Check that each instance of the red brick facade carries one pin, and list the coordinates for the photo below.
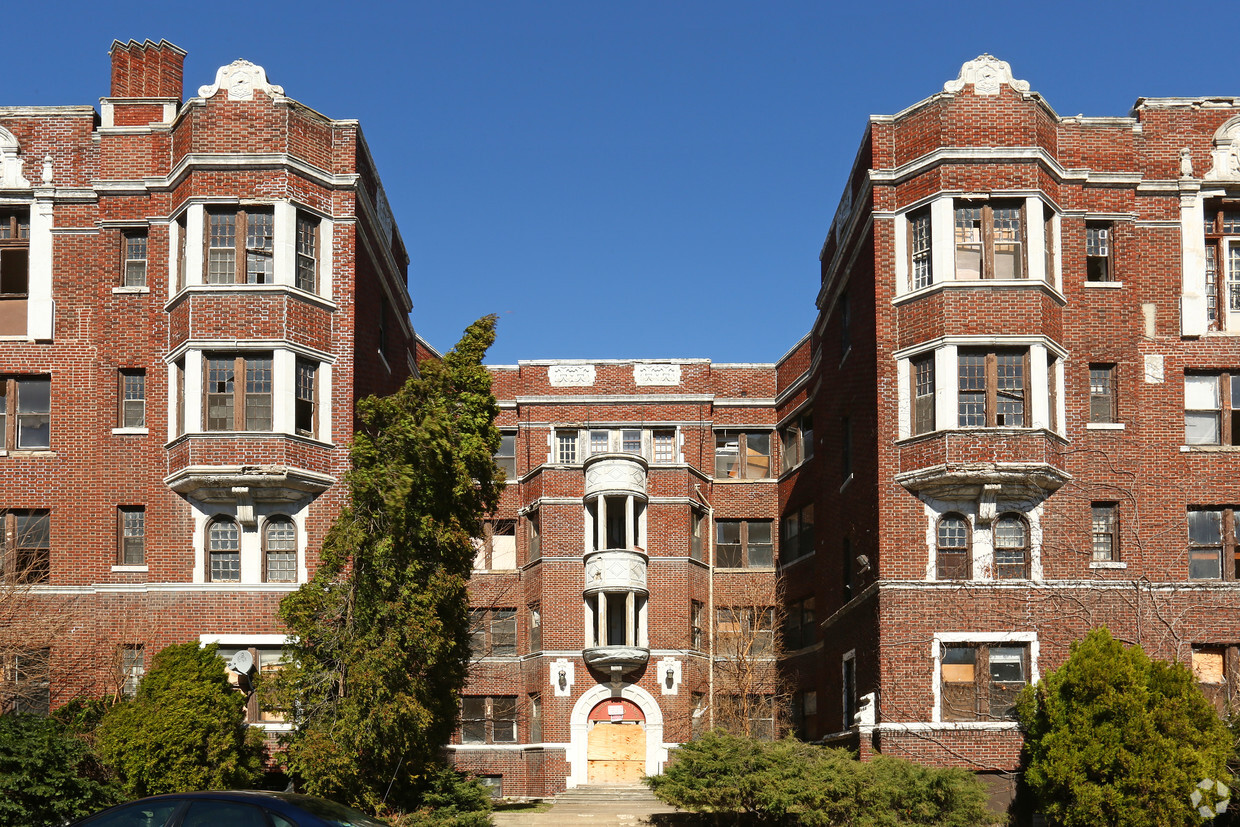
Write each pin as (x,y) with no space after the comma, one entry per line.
(167,266)
(1016,400)
(1024,296)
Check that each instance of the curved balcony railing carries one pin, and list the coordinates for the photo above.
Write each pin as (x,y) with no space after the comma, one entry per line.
(615,474)
(615,570)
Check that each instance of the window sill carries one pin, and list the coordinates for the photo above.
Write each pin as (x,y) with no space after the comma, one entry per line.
(132,291)
(1209,449)
(1105,426)
(130,431)
(731,481)
(744,568)
(130,568)
(1103,285)
(846,481)
(1107,564)
(28,452)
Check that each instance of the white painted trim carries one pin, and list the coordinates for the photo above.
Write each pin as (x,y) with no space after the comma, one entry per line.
(40,307)
(579,727)
(138,569)
(243,640)
(1104,426)
(130,431)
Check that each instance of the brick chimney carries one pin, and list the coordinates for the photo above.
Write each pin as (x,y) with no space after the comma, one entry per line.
(147,69)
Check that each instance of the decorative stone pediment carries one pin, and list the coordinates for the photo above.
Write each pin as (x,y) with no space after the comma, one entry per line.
(987,73)
(10,162)
(569,376)
(1225,154)
(239,79)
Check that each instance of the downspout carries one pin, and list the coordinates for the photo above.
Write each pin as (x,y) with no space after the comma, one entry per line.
(710,605)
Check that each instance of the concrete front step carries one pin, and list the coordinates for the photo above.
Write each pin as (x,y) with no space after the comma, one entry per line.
(598,804)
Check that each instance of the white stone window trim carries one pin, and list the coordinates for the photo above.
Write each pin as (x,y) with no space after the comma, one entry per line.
(947,387)
(251,538)
(1102,285)
(130,431)
(283,380)
(943,243)
(131,291)
(131,568)
(1105,426)
(982,539)
(936,655)
(1108,564)
(284,253)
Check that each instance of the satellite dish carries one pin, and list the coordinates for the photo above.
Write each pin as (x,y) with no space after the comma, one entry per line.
(242,662)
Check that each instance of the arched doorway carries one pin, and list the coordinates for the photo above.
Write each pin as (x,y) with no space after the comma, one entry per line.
(616,743)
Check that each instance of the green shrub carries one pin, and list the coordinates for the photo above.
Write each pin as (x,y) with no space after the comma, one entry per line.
(1114,738)
(48,776)
(789,782)
(184,730)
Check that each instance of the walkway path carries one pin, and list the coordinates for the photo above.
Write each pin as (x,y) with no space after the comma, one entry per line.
(609,804)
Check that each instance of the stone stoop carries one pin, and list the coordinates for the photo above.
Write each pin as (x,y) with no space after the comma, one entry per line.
(599,804)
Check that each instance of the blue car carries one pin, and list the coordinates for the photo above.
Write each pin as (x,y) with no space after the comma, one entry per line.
(233,808)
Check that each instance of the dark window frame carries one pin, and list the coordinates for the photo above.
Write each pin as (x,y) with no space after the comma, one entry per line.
(992,395)
(1010,568)
(131,397)
(20,424)
(920,249)
(1103,392)
(135,251)
(279,554)
(796,440)
(1104,530)
(797,538)
(1204,547)
(493,716)
(506,456)
(493,632)
(745,546)
(1099,251)
(307,252)
(922,385)
(986,242)
(252,234)
(242,397)
(14,268)
(218,547)
(306,397)
(800,625)
(743,454)
(986,697)
(26,551)
(131,535)
(953,562)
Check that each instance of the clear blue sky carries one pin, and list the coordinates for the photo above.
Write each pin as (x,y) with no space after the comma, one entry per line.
(624,179)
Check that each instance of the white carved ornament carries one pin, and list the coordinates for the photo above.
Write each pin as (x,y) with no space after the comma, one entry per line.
(568,376)
(240,78)
(1225,153)
(656,374)
(987,73)
(10,162)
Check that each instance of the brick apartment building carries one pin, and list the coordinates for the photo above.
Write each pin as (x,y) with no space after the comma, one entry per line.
(1014,420)
(180,286)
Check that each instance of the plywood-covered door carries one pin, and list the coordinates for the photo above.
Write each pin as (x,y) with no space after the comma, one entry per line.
(616,753)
